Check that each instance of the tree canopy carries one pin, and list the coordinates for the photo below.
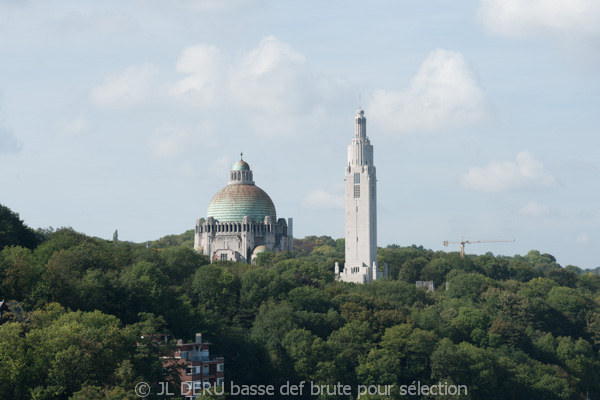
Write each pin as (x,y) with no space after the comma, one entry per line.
(506,327)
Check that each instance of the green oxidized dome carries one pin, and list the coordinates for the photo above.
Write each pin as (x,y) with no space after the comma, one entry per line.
(241,198)
(233,202)
(241,166)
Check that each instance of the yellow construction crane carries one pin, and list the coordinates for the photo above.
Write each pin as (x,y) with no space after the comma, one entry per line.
(463,242)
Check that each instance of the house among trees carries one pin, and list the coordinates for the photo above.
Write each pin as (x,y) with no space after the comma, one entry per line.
(198,370)
(428,285)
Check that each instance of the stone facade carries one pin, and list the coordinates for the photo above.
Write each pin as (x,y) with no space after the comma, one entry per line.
(360,210)
(242,222)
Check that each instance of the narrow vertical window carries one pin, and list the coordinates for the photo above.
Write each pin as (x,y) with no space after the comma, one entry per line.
(357,191)
(356,178)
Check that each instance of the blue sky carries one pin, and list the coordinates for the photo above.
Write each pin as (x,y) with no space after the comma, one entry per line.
(483,114)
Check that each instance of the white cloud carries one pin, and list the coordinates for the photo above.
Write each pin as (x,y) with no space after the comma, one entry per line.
(271,80)
(129,88)
(170,141)
(206,69)
(322,199)
(270,73)
(523,173)
(445,92)
(275,84)
(568,21)
(272,86)
(534,209)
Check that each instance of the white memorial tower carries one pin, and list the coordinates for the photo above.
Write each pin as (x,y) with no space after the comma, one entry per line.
(360,210)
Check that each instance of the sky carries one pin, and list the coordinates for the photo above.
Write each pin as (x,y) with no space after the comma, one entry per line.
(483,115)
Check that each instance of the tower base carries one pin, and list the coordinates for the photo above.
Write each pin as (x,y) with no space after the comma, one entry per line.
(361,273)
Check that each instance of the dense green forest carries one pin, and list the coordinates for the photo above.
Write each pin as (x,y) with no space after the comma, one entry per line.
(520,327)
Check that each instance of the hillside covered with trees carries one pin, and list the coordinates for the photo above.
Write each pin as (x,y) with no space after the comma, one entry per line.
(520,327)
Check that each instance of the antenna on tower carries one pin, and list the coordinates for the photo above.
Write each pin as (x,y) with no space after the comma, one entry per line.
(359,101)
(242,156)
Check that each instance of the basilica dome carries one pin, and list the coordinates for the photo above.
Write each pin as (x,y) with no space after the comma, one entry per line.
(241,197)
(241,221)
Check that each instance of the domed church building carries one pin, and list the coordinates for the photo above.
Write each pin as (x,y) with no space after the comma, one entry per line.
(241,221)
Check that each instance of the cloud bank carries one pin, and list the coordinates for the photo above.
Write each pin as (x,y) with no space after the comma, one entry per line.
(272,85)
(129,88)
(568,22)
(525,172)
(445,92)
(274,88)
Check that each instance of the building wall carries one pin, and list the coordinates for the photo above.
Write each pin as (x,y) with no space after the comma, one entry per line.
(236,241)
(361,216)
(360,208)
(197,369)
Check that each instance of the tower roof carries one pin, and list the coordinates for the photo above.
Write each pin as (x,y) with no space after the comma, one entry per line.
(241,165)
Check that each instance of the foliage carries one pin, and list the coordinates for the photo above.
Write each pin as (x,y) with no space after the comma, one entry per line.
(506,327)
(185,239)
(13,232)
